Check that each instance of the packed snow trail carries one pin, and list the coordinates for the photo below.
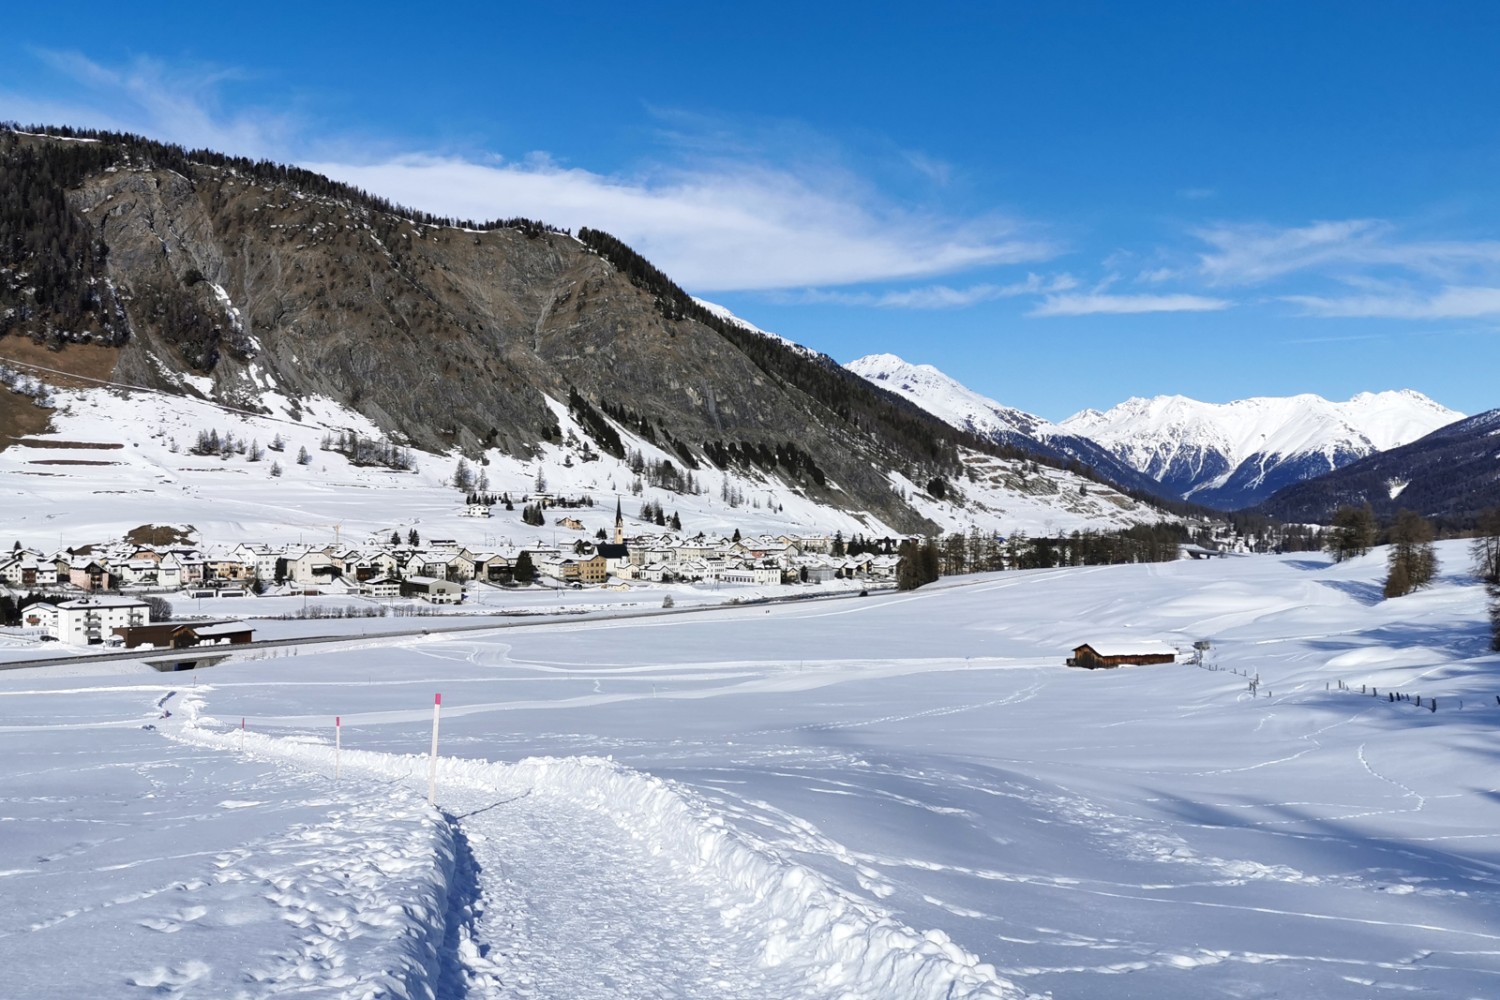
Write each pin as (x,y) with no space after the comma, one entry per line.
(581,878)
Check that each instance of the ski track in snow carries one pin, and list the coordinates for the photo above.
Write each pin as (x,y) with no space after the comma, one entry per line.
(572,878)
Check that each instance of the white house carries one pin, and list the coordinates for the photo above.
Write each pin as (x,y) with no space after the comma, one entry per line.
(86,620)
(382,586)
(758,575)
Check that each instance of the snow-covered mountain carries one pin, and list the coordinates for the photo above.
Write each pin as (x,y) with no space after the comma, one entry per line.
(956,404)
(1233,455)
(105,459)
(945,397)
(1452,474)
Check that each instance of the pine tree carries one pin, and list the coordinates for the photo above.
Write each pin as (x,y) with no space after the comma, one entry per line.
(413,539)
(463,477)
(1486,546)
(1412,561)
(1486,551)
(303,458)
(525,569)
(1353,532)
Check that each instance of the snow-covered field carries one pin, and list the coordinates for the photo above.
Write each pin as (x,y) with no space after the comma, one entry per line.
(899,796)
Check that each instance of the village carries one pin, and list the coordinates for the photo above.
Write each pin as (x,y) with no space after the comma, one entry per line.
(111,594)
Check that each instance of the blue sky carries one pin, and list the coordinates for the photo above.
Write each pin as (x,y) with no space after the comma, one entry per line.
(1062,205)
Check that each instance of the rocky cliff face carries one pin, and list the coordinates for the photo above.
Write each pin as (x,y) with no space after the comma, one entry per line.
(259,287)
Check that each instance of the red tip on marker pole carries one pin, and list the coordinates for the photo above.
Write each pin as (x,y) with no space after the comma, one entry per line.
(437,699)
(337,722)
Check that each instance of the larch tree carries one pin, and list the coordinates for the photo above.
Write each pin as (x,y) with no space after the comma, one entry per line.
(1412,561)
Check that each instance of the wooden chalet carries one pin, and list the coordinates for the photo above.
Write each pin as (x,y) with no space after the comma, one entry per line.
(1132,652)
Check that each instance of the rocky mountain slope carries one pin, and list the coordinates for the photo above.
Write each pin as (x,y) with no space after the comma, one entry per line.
(1450,475)
(264,288)
(1233,455)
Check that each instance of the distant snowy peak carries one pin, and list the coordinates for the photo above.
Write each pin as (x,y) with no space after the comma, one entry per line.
(959,406)
(1234,454)
(948,399)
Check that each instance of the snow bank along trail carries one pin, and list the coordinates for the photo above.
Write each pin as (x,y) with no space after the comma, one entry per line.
(579,877)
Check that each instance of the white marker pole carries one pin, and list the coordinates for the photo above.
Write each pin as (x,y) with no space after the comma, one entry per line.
(242,732)
(338,747)
(437,708)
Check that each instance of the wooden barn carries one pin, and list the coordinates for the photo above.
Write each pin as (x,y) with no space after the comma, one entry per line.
(177,635)
(1119,653)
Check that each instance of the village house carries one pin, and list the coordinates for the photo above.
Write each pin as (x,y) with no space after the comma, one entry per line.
(758,575)
(492,567)
(461,565)
(311,566)
(88,574)
(381,586)
(615,555)
(28,569)
(432,590)
(194,566)
(593,569)
(260,558)
(229,568)
(138,572)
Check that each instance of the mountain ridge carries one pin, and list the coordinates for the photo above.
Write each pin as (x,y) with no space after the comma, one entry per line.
(1449,475)
(958,405)
(1233,455)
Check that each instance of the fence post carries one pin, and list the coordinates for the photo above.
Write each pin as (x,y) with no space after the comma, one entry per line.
(437,708)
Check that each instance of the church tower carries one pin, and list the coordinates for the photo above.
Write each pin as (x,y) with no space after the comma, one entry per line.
(619,524)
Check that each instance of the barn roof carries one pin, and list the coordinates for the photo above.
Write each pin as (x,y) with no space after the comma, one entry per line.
(1128,646)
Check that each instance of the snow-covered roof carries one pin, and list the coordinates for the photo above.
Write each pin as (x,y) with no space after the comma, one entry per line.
(210,630)
(102,601)
(1128,646)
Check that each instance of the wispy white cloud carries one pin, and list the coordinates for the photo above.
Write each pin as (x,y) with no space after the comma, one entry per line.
(943,296)
(1157,275)
(718,227)
(1346,249)
(1093,303)
(174,103)
(1450,302)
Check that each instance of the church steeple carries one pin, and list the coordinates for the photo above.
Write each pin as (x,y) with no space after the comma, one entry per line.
(619,524)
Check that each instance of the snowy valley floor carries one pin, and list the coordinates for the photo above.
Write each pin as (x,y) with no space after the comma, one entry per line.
(900,796)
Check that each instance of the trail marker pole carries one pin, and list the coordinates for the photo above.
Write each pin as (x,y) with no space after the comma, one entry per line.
(242,732)
(338,747)
(437,709)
